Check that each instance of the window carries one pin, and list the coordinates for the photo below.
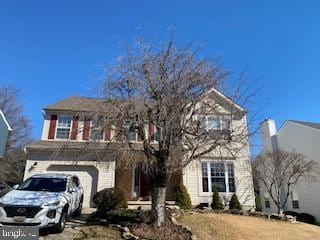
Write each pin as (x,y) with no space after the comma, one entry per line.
(63,127)
(131,131)
(267,202)
(295,199)
(97,129)
(76,181)
(218,175)
(215,123)
(156,135)
(295,204)
(231,179)
(218,179)
(205,182)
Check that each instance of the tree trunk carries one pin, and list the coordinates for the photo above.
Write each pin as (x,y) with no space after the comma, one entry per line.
(159,205)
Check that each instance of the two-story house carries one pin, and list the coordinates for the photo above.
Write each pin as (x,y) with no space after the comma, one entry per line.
(66,132)
(301,137)
(5,129)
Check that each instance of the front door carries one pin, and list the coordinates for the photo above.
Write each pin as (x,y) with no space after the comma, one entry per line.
(142,185)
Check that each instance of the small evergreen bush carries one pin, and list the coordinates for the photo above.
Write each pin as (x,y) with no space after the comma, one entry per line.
(110,199)
(307,218)
(234,203)
(216,201)
(182,197)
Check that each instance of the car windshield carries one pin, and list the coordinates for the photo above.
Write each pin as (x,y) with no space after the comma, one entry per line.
(44,184)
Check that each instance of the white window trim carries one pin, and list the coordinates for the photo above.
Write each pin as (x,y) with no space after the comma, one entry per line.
(56,130)
(210,193)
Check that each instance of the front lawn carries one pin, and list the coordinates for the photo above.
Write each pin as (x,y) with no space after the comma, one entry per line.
(235,227)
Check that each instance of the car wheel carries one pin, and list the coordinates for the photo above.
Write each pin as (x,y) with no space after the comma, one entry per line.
(62,222)
(77,213)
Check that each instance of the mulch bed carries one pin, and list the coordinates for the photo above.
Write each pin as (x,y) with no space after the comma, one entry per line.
(135,224)
(168,231)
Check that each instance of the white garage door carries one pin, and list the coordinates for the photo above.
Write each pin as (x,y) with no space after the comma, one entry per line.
(88,176)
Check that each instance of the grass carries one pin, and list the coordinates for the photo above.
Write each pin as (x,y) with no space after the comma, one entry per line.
(235,227)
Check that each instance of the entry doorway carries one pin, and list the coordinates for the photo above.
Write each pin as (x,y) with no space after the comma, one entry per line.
(142,184)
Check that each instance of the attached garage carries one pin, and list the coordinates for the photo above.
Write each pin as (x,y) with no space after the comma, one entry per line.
(88,176)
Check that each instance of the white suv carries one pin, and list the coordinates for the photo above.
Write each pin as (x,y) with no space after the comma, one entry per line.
(43,200)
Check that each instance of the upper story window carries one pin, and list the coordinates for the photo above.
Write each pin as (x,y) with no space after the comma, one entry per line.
(97,129)
(215,123)
(130,131)
(295,200)
(63,127)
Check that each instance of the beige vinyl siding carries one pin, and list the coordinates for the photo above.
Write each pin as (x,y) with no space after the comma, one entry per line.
(192,174)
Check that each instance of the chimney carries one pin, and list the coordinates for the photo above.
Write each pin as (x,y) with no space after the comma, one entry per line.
(268,134)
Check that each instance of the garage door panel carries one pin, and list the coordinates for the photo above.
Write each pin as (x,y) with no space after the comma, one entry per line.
(88,176)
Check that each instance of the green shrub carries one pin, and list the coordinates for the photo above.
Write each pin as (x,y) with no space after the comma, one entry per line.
(216,201)
(234,203)
(182,197)
(110,199)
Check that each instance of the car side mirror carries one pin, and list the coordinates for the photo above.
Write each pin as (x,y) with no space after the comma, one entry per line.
(72,190)
(15,186)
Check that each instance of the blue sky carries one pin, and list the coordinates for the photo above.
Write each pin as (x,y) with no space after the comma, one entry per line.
(54,49)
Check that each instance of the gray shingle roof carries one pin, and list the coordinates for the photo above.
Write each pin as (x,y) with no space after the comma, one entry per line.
(80,104)
(69,145)
(309,124)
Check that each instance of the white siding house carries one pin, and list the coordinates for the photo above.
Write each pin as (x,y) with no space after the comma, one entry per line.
(304,138)
(5,129)
(65,132)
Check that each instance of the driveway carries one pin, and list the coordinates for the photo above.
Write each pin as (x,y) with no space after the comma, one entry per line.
(77,229)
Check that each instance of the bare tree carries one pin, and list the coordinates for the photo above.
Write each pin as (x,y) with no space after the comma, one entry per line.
(171,88)
(279,171)
(13,162)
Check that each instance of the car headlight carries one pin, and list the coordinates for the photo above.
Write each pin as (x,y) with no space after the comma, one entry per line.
(52,204)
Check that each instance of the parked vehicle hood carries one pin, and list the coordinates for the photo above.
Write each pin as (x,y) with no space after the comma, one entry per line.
(18,197)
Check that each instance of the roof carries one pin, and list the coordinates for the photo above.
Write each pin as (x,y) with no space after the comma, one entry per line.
(75,145)
(5,120)
(81,104)
(85,104)
(228,99)
(52,175)
(308,124)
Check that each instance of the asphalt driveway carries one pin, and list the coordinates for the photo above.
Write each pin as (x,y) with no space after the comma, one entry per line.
(77,229)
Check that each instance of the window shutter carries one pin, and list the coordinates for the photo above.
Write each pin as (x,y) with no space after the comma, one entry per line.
(74,131)
(86,128)
(107,133)
(151,132)
(52,128)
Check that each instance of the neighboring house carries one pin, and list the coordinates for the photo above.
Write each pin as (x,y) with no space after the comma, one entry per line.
(68,130)
(301,137)
(5,130)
